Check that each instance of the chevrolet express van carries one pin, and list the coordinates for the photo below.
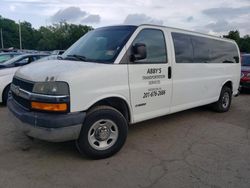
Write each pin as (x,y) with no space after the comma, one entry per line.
(120,75)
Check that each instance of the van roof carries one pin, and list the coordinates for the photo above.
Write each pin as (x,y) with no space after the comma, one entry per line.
(184,30)
(195,32)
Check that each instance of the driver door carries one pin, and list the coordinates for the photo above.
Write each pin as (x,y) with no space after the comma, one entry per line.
(150,79)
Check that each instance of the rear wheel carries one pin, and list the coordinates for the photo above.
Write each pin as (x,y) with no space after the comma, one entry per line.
(5,94)
(224,102)
(103,133)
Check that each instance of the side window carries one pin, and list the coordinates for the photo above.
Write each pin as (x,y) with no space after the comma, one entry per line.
(155,44)
(23,61)
(224,52)
(233,53)
(201,47)
(4,58)
(208,50)
(196,49)
(36,58)
(183,48)
(31,59)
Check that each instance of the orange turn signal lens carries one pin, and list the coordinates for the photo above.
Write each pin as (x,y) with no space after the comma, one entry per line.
(61,107)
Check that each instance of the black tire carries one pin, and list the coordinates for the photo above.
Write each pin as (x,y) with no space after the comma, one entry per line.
(6,94)
(95,118)
(223,104)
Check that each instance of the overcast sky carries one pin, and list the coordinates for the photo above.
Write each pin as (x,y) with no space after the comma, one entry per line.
(207,16)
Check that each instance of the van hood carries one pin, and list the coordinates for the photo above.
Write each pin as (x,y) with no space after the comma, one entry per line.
(58,69)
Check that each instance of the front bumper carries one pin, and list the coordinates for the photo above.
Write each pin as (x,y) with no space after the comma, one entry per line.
(46,126)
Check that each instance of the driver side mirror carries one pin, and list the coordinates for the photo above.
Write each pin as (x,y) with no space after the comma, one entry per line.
(139,52)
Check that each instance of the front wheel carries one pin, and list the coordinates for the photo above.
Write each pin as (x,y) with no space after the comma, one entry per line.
(224,102)
(103,133)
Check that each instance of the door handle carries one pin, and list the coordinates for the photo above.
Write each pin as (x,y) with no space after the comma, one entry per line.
(169,72)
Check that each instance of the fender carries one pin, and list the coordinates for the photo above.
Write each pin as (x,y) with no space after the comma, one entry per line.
(228,80)
(103,97)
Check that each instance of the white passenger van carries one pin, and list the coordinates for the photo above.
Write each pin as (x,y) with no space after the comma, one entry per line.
(120,75)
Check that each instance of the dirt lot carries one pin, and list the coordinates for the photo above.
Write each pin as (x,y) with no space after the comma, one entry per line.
(194,148)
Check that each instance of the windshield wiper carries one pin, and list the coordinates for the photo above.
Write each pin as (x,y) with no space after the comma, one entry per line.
(77,57)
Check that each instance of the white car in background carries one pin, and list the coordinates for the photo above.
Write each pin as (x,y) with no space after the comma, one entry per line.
(5,56)
(8,69)
(50,57)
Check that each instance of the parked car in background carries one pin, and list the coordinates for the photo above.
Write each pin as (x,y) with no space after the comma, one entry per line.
(50,57)
(57,52)
(245,71)
(5,56)
(8,69)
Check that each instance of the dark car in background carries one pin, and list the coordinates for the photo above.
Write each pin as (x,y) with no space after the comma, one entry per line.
(245,71)
(5,56)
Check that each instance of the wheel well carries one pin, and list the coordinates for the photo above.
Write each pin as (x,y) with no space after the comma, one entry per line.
(116,103)
(229,84)
(4,91)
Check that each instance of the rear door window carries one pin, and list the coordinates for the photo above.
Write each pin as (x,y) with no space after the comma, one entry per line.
(183,48)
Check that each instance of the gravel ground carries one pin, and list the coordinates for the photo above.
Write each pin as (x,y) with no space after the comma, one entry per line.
(194,148)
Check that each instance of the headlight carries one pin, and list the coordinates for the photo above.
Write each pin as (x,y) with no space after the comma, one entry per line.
(248,75)
(51,88)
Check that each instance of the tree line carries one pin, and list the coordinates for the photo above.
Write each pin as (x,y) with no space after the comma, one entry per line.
(243,42)
(62,35)
(57,36)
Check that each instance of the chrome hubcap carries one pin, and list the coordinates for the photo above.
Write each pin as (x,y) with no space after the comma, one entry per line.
(103,134)
(225,100)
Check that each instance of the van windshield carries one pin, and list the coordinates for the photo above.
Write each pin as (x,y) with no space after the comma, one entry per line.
(100,45)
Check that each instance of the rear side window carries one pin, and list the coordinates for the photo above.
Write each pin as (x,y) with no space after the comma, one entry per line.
(195,49)
(223,52)
(155,44)
(183,48)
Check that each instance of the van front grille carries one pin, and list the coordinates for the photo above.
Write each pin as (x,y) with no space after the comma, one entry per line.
(24,102)
(23,84)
